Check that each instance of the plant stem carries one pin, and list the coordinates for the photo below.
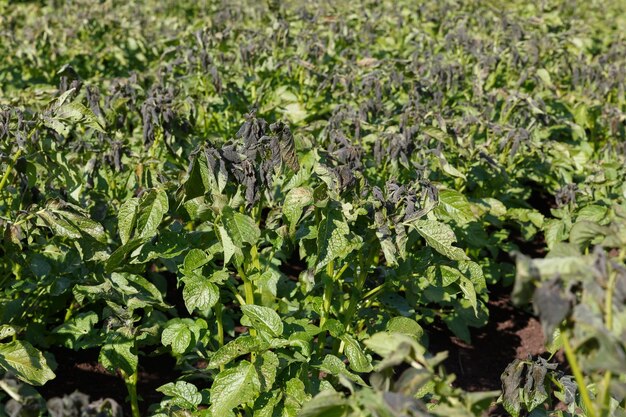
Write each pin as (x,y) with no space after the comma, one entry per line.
(328,293)
(327,297)
(354,301)
(249,292)
(220,327)
(131,387)
(70,311)
(608,320)
(220,324)
(12,163)
(578,375)
(236,294)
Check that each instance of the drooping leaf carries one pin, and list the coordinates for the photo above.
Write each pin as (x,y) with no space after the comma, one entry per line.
(126,218)
(26,362)
(152,207)
(358,361)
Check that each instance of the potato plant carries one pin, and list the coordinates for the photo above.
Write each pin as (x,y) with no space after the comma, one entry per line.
(287,197)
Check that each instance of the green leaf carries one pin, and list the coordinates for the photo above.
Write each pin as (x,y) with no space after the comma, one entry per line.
(199,293)
(384,343)
(544,76)
(26,362)
(335,366)
(77,327)
(469,292)
(295,397)
(586,232)
(454,205)
(197,183)
(84,225)
(440,237)
(178,335)
(228,245)
(266,366)
(152,207)
(240,227)
(233,349)
(7,331)
(358,361)
(295,200)
(332,237)
(185,395)
(118,256)
(326,404)
(195,259)
(406,326)
(264,319)
(118,353)
(59,226)
(126,218)
(75,112)
(234,387)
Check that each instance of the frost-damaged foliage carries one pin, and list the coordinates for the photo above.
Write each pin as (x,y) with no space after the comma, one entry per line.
(285,197)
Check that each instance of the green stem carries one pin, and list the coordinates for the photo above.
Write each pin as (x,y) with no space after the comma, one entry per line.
(220,325)
(12,163)
(249,292)
(131,387)
(354,301)
(235,292)
(219,309)
(327,298)
(69,311)
(608,319)
(578,375)
(328,293)
(371,293)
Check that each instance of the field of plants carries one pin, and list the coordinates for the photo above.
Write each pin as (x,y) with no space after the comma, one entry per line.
(313,209)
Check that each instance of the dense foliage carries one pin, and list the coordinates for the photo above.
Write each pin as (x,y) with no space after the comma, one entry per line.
(284,196)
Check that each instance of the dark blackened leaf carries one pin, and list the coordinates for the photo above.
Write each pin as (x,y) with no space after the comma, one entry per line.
(252,130)
(569,389)
(197,180)
(535,392)
(552,303)
(287,145)
(249,181)
(229,152)
(511,382)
